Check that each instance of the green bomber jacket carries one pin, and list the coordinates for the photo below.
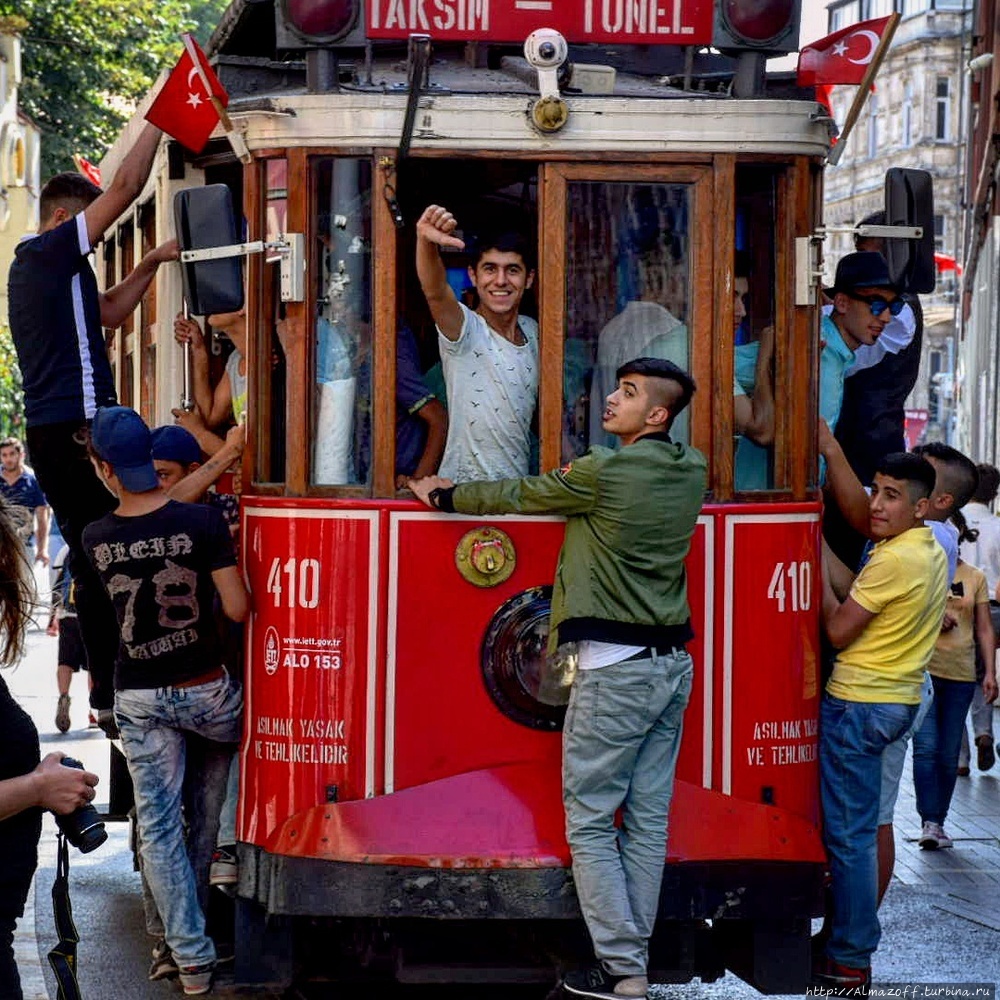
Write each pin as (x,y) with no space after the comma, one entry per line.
(630,516)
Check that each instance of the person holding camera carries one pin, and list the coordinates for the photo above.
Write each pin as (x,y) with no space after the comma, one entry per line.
(27,784)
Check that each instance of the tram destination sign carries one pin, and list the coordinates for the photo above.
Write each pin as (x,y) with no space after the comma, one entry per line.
(625,22)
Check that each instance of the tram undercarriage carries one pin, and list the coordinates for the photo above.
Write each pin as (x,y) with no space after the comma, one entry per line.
(357,922)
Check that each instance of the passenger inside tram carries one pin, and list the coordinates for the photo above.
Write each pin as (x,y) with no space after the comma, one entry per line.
(489,355)
(753,390)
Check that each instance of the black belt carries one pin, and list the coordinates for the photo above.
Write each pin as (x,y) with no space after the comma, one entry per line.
(644,653)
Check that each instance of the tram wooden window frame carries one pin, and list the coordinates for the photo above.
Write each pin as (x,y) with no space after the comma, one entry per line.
(554,178)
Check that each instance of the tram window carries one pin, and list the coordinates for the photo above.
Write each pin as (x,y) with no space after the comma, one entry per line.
(271,398)
(342,335)
(753,350)
(627,296)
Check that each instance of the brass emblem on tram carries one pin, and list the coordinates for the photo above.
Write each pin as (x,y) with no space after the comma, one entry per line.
(485,556)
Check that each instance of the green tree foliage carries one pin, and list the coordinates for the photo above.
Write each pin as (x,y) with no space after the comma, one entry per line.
(86,63)
(11,397)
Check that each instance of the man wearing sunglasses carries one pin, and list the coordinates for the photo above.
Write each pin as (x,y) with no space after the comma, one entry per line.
(864,300)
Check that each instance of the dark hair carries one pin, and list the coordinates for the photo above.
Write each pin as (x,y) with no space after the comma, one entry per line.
(871,219)
(12,442)
(661,368)
(989,483)
(17,592)
(965,533)
(742,264)
(506,242)
(70,190)
(909,468)
(959,477)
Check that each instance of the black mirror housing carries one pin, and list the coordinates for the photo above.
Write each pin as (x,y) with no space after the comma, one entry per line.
(204,218)
(909,201)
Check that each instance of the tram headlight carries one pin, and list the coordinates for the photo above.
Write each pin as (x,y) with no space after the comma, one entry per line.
(319,22)
(768,26)
(525,684)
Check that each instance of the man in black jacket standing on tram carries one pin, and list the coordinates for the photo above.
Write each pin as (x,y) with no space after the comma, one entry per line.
(57,316)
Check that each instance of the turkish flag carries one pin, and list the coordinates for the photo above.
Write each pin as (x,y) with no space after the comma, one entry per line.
(842,57)
(183,108)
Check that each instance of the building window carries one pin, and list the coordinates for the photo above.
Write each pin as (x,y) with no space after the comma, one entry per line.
(845,15)
(880,8)
(939,232)
(873,126)
(906,118)
(942,128)
(911,7)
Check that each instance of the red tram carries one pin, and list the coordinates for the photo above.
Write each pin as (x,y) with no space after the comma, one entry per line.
(400,804)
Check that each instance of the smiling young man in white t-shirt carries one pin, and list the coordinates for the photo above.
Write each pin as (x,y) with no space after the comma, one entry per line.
(489,356)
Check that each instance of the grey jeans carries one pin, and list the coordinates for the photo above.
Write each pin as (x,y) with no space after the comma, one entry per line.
(620,743)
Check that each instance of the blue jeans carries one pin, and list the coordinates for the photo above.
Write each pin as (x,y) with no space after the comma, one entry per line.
(620,743)
(154,723)
(936,746)
(206,786)
(852,738)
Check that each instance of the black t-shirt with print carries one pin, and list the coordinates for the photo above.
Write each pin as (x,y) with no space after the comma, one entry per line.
(158,568)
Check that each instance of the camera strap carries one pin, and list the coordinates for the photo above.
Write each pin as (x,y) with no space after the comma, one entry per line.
(62,958)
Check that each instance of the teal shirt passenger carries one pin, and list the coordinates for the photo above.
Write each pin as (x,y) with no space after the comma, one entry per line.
(751,459)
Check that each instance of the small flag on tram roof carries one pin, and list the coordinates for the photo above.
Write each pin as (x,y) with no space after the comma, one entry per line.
(842,57)
(188,107)
(88,169)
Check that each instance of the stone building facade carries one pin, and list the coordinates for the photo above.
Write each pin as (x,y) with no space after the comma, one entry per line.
(20,180)
(914,118)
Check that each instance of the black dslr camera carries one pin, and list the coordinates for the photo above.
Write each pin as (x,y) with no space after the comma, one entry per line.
(83,827)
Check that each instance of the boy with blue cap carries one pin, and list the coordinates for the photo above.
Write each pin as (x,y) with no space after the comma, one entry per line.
(162,563)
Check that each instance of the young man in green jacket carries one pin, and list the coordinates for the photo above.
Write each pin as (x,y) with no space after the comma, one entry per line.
(620,593)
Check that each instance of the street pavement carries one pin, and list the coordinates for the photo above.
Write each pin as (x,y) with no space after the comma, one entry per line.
(940,919)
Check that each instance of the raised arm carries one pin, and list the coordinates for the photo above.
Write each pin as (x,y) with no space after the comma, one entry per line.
(193,486)
(434,229)
(193,422)
(125,186)
(118,303)
(842,484)
(187,330)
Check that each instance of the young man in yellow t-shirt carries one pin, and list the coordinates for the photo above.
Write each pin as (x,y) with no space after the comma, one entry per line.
(884,632)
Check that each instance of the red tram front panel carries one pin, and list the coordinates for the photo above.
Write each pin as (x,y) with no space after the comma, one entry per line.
(770,670)
(440,718)
(309,736)
(366,675)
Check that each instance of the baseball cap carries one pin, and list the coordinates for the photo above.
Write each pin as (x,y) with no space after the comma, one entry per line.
(120,437)
(175,444)
(862,269)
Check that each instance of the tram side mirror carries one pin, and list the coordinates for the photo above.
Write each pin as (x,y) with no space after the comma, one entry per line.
(909,201)
(203,217)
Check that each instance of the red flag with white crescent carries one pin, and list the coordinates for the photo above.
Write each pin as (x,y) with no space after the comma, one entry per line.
(842,57)
(183,108)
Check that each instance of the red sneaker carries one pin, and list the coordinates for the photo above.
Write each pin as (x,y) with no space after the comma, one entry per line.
(841,980)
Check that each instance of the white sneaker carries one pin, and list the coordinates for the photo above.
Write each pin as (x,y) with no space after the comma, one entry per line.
(929,840)
(942,838)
